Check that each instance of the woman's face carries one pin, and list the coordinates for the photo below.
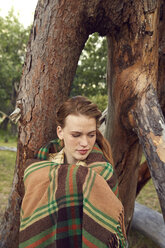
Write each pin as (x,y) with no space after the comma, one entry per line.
(79,135)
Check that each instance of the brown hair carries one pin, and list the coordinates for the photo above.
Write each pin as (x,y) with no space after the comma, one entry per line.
(82,105)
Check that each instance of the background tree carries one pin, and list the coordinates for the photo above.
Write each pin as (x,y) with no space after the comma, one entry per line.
(59,33)
(90,77)
(13,42)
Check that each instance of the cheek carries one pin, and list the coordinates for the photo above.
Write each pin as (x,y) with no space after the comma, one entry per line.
(92,141)
(70,142)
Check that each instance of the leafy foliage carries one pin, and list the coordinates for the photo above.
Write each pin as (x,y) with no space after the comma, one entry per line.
(90,78)
(13,40)
(100,100)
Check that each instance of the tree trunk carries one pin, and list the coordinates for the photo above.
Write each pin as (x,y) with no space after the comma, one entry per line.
(4,124)
(132,66)
(151,131)
(143,177)
(144,174)
(150,223)
(59,32)
(56,41)
(161,72)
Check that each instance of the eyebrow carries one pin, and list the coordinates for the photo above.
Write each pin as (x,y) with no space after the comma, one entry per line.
(77,132)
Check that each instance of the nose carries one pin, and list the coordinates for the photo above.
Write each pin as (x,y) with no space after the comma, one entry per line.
(84,141)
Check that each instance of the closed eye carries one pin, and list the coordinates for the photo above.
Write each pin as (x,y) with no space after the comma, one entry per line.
(75,135)
(92,134)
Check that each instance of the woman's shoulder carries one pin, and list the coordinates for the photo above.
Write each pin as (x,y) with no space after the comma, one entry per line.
(35,163)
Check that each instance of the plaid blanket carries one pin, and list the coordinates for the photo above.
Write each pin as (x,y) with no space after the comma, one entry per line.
(71,205)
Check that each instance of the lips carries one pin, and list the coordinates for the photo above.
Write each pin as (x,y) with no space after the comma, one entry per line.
(82,152)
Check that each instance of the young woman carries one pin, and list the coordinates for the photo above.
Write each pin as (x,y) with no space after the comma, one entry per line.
(71,197)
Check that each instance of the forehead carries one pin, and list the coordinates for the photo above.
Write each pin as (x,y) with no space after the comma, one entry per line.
(80,123)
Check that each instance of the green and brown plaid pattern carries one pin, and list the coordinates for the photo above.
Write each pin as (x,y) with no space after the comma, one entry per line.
(53,146)
(71,206)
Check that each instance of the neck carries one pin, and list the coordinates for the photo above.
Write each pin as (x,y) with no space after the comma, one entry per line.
(68,159)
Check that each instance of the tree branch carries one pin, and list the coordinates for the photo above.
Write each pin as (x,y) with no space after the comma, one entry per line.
(151,131)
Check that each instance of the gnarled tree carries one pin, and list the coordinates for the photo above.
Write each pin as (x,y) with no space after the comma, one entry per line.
(59,33)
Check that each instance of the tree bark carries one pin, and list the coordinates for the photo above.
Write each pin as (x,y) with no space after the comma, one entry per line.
(161,71)
(132,66)
(143,177)
(151,131)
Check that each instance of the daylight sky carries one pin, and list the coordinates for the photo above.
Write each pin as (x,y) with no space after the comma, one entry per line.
(25,9)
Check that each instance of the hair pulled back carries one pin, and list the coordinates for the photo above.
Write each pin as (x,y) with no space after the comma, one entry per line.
(81,105)
(78,105)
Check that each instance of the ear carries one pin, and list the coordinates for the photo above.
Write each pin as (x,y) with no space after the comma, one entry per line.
(60,133)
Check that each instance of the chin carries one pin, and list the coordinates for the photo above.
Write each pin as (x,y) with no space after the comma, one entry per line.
(83,157)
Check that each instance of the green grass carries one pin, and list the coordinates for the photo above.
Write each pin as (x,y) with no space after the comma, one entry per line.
(7,139)
(147,196)
(7,164)
(136,240)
